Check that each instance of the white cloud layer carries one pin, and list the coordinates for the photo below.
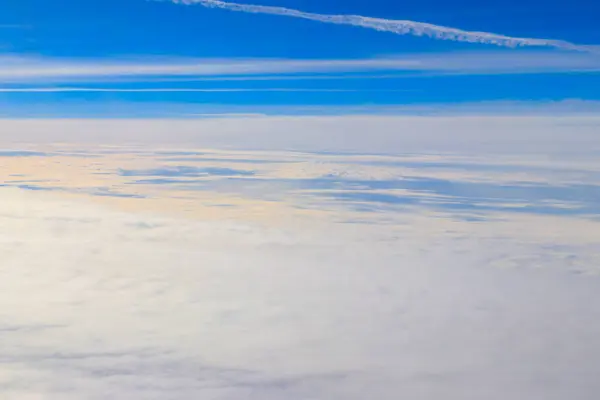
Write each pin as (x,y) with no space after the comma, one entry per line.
(574,136)
(226,293)
(97,303)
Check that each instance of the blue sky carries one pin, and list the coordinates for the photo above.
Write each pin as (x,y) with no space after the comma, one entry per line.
(127,57)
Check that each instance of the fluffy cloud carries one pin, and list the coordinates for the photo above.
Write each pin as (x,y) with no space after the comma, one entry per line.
(99,303)
(227,283)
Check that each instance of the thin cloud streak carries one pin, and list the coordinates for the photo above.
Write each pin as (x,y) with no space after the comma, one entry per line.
(29,69)
(191,90)
(399,27)
(25,69)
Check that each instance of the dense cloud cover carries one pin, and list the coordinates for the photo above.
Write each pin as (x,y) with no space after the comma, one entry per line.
(99,303)
(172,271)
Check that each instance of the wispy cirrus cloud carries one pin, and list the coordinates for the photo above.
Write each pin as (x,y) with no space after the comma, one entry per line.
(14,69)
(400,27)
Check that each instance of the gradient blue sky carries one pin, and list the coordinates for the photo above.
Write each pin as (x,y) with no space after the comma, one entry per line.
(97,48)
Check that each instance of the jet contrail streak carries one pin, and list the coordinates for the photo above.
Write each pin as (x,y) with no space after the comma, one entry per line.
(183,90)
(400,27)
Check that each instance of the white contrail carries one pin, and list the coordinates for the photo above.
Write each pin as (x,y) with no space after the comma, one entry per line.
(400,27)
(30,70)
(175,90)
